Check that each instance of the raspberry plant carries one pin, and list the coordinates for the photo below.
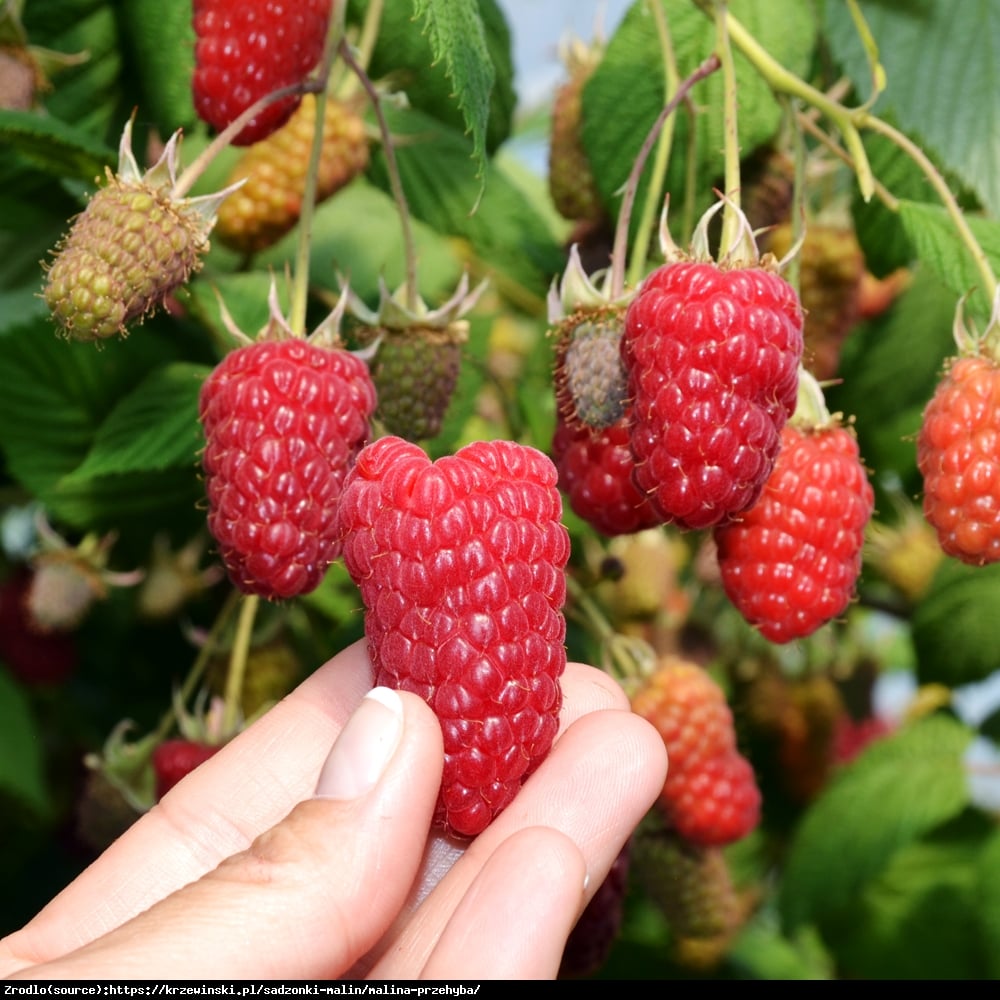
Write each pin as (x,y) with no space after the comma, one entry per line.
(809,160)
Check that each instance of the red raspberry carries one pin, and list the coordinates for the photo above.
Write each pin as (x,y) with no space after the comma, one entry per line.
(460,564)
(33,654)
(852,736)
(712,357)
(710,796)
(593,936)
(176,759)
(245,50)
(595,473)
(791,564)
(283,420)
(958,458)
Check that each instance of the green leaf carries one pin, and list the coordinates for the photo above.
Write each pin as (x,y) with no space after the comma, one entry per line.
(57,394)
(943,81)
(955,627)
(933,234)
(22,773)
(898,790)
(624,96)
(455,31)
(445,82)
(888,371)
(172,500)
(152,428)
(918,919)
(159,52)
(87,95)
(53,146)
(988,883)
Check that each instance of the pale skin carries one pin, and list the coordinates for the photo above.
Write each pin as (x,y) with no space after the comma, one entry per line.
(295,854)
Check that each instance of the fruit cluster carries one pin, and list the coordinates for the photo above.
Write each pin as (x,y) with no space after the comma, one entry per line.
(720,512)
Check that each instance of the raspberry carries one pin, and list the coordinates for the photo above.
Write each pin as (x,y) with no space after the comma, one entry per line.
(957,457)
(594,934)
(712,357)
(283,420)
(103,811)
(272,669)
(460,564)
(710,796)
(246,50)
(33,655)
(792,562)
(693,887)
(572,185)
(417,356)
(135,242)
(589,376)
(595,473)
(268,205)
(855,735)
(176,759)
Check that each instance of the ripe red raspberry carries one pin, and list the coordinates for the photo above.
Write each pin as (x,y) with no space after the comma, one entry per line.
(176,759)
(712,356)
(595,473)
(460,564)
(710,796)
(958,458)
(246,50)
(283,420)
(792,562)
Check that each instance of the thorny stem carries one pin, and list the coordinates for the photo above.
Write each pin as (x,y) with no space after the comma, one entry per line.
(709,66)
(730,130)
(651,207)
(198,667)
(238,662)
(409,248)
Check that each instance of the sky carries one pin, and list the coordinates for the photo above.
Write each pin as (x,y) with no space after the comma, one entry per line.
(536,29)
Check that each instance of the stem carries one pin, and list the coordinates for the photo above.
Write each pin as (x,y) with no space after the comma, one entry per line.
(650,210)
(806,123)
(189,176)
(300,280)
(238,663)
(709,66)
(783,81)
(731,224)
(396,185)
(198,667)
(630,658)
(849,122)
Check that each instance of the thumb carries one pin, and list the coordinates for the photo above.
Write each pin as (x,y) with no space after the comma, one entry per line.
(299,902)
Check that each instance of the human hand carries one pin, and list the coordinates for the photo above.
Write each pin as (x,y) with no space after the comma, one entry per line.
(280,859)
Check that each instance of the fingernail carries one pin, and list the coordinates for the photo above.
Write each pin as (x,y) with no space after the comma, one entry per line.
(364,747)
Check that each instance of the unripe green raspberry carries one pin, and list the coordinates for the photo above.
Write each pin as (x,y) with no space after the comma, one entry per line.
(589,376)
(415,355)
(137,240)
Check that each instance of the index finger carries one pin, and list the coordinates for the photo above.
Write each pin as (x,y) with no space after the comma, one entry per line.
(243,790)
